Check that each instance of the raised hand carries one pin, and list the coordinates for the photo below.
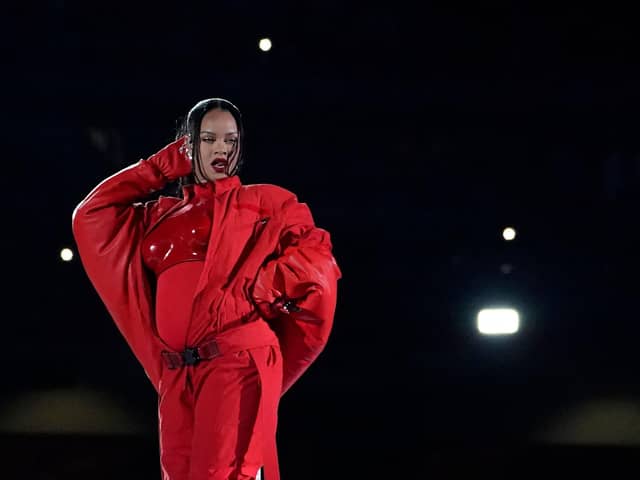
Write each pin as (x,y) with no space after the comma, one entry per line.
(173,161)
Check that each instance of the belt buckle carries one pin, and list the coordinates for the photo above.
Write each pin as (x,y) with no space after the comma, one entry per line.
(190,356)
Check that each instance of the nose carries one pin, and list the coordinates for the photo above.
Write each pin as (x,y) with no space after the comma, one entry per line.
(220,147)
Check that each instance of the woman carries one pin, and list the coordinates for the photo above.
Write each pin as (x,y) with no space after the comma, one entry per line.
(225,295)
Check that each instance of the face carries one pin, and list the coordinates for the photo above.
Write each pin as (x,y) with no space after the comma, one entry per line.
(219,147)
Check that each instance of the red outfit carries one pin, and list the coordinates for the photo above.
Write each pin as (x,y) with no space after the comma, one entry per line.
(175,251)
(218,253)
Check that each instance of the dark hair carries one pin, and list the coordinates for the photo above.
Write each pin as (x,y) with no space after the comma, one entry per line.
(191,127)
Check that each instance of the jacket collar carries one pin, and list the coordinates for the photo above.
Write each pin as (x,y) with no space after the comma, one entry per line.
(212,189)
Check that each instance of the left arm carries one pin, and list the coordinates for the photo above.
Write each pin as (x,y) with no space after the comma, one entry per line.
(296,291)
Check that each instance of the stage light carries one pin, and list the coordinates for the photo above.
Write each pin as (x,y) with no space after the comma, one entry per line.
(66,254)
(264,44)
(508,234)
(498,321)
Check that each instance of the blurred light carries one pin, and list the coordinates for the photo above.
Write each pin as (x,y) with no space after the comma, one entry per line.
(77,411)
(508,234)
(506,268)
(498,321)
(265,44)
(66,254)
(596,421)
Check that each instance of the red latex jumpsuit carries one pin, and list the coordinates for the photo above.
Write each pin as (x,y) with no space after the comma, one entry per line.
(215,265)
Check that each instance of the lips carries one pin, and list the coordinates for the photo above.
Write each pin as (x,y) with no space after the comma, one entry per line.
(219,164)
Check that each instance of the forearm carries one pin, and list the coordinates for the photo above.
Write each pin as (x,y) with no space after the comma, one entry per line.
(110,209)
(304,334)
(297,293)
(121,190)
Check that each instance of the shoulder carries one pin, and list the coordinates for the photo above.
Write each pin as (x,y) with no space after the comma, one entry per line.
(281,203)
(269,196)
(268,190)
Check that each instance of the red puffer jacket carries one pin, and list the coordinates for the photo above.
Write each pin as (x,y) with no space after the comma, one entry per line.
(264,250)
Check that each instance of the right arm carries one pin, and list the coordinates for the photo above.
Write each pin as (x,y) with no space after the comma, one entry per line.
(108,226)
(118,194)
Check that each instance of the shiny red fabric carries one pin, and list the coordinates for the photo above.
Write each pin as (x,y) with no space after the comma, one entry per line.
(182,236)
(175,251)
(263,247)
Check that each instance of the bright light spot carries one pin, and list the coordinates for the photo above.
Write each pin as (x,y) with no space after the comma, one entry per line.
(508,234)
(498,321)
(265,44)
(66,254)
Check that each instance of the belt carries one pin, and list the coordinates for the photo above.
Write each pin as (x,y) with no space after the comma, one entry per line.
(191,356)
(250,335)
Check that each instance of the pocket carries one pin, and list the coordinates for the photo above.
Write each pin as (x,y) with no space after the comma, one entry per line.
(259,227)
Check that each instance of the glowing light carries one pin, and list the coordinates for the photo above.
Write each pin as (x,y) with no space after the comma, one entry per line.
(508,234)
(498,321)
(66,254)
(265,44)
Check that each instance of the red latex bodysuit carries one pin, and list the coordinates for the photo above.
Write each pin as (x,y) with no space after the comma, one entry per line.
(253,245)
(175,252)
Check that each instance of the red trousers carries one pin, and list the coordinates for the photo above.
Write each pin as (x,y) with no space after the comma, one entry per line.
(218,418)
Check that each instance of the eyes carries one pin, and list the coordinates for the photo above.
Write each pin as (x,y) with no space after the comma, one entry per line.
(228,141)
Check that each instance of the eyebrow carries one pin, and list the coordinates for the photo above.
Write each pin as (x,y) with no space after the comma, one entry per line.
(213,133)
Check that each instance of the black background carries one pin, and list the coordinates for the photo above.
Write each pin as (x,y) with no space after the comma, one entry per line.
(415,135)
